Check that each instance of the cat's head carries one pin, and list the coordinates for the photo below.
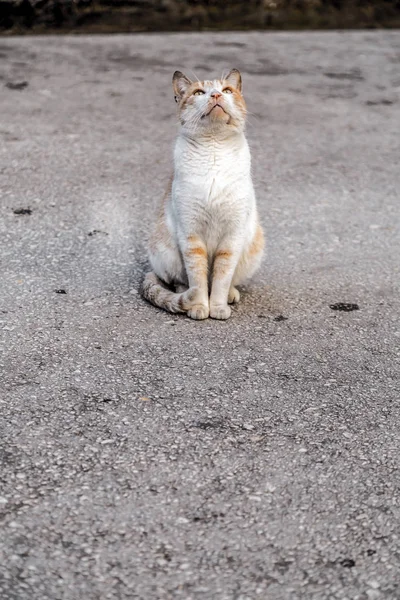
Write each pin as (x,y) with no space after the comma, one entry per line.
(214,107)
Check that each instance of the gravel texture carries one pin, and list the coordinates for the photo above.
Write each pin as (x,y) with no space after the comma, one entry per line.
(148,456)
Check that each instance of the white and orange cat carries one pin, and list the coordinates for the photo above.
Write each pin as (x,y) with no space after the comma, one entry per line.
(207,239)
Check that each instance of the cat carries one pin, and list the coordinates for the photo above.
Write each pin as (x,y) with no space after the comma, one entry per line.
(207,239)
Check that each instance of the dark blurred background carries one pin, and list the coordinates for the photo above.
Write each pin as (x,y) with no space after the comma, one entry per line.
(96,16)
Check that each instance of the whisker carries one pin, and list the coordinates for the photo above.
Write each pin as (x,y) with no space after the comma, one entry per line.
(194,75)
(251,114)
(193,124)
(253,122)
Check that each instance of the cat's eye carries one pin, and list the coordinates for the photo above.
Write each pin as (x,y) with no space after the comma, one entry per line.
(198,93)
(227,91)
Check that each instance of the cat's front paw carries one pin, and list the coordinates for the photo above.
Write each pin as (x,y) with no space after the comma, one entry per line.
(220,311)
(198,312)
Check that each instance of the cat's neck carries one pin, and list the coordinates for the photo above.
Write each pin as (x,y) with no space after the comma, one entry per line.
(207,153)
(212,141)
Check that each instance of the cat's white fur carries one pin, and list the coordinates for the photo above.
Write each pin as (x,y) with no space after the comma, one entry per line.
(208,238)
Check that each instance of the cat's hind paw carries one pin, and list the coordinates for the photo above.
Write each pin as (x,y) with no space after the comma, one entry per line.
(234,296)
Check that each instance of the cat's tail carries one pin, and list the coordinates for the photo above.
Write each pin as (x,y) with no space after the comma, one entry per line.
(155,292)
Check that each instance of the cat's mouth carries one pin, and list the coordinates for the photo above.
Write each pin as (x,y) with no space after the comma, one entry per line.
(216,105)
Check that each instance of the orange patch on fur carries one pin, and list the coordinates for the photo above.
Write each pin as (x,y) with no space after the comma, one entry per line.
(258,242)
(240,101)
(196,251)
(196,256)
(187,97)
(221,263)
(223,254)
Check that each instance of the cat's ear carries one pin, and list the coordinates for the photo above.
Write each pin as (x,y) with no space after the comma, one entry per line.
(234,78)
(180,84)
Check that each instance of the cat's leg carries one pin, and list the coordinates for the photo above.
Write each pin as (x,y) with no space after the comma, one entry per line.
(195,299)
(165,256)
(250,258)
(222,291)
(230,269)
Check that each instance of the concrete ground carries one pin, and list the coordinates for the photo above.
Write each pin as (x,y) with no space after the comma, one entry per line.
(145,455)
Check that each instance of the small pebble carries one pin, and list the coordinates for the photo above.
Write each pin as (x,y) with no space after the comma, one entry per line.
(373,584)
(247,427)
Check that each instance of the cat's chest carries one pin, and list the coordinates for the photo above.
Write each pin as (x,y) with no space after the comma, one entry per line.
(212,196)
(212,179)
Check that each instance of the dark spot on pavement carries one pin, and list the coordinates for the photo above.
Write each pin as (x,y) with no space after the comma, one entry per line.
(286,376)
(22,211)
(379,102)
(60,291)
(205,517)
(17,85)
(96,397)
(208,424)
(280,318)
(164,552)
(352,75)
(96,231)
(348,563)
(344,306)
(371,552)
(282,565)
(232,44)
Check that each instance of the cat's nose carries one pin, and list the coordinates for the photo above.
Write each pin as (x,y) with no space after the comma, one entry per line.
(216,94)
